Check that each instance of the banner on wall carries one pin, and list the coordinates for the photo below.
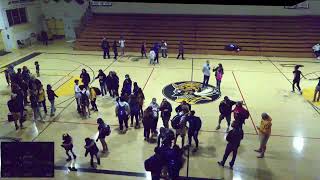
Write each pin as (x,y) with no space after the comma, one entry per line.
(101,3)
(11,2)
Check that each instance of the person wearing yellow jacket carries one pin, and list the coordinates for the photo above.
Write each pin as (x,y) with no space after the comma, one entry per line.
(42,98)
(93,98)
(264,133)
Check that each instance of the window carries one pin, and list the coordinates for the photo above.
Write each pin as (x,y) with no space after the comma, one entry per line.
(17,16)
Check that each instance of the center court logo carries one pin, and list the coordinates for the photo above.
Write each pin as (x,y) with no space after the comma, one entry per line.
(191,92)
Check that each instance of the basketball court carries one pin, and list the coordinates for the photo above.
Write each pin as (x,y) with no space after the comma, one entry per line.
(263,83)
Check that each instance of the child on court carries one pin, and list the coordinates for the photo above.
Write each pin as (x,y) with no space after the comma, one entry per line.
(51,97)
(92,148)
(296,78)
(67,144)
(37,68)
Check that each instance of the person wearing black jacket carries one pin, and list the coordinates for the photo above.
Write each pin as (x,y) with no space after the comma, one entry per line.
(20,100)
(67,144)
(234,138)
(127,86)
(166,109)
(85,78)
(115,84)
(105,47)
(92,148)
(134,110)
(115,50)
(183,106)
(51,97)
(15,109)
(194,128)
(102,81)
(225,109)
(108,83)
(102,134)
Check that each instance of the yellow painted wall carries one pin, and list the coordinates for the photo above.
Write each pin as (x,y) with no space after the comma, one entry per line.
(1,41)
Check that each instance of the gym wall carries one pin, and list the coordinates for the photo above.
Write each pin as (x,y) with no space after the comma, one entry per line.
(201,9)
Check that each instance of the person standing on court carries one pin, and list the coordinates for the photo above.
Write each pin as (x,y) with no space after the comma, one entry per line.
(115,50)
(296,78)
(234,138)
(156,48)
(144,50)
(85,78)
(152,56)
(91,148)
(122,111)
(77,94)
(51,97)
(104,130)
(127,86)
(155,109)
(134,110)
(206,74)
(316,91)
(122,45)
(115,84)
(147,123)
(240,114)
(164,46)
(264,133)
(225,109)
(181,50)
(102,81)
(218,74)
(105,47)
(166,109)
(195,124)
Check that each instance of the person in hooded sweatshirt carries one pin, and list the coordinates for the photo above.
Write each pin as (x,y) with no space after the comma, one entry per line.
(108,82)
(85,78)
(115,84)
(234,138)
(122,111)
(264,133)
(102,81)
(92,149)
(134,110)
(127,86)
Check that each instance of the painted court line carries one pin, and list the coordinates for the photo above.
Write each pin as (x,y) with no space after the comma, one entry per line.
(148,79)
(255,128)
(66,76)
(121,173)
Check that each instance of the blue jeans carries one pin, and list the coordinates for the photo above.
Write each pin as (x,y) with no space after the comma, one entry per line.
(103,89)
(53,109)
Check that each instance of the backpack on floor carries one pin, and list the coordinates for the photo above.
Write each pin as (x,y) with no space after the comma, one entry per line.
(97,90)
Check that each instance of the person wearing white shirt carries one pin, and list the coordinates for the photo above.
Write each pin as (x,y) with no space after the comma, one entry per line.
(206,74)
(122,45)
(164,49)
(77,94)
(316,50)
(152,55)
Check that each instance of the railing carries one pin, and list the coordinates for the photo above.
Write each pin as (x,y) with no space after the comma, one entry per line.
(83,21)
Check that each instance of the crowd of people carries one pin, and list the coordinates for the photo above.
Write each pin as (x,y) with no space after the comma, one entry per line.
(153,52)
(26,89)
(168,159)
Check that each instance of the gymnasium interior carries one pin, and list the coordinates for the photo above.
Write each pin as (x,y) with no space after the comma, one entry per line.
(273,37)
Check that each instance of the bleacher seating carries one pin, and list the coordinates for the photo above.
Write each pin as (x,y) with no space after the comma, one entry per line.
(256,35)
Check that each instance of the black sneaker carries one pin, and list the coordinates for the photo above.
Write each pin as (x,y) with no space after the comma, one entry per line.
(220,163)
(230,165)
